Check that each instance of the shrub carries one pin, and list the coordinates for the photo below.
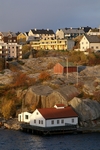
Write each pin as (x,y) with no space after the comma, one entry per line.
(44,76)
(8,109)
(2,64)
(26,48)
(97,95)
(41,53)
(50,65)
(21,79)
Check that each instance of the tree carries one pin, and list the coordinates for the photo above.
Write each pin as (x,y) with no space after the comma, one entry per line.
(8,109)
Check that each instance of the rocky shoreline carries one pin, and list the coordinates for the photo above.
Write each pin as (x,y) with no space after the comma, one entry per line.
(14,124)
(10,124)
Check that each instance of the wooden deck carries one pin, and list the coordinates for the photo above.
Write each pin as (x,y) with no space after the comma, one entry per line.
(49,130)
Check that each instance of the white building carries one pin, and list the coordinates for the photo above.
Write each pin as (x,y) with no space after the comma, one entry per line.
(90,42)
(10,50)
(24,117)
(69,33)
(95,31)
(53,117)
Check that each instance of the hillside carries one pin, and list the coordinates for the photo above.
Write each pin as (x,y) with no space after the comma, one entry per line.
(31,83)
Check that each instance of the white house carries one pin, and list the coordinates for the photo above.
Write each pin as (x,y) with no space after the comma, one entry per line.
(90,42)
(24,117)
(54,117)
(95,31)
(41,34)
(69,33)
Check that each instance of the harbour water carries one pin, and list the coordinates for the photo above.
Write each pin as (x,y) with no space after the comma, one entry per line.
(17,140)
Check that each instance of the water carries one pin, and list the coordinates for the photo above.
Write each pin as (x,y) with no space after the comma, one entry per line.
(16,140)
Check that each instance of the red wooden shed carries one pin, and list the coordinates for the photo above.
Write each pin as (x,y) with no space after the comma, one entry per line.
(61,68)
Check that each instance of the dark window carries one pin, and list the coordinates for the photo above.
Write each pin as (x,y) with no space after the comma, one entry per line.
(34,121)
(52,121)
(62,121)
(26,116)
(57,121)
(72,120)
(39,121)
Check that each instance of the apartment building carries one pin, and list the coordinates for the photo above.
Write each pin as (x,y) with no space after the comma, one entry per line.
(8,45)
(62,44)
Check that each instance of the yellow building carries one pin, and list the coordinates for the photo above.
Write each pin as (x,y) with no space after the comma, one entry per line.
(21,38)
(49,44)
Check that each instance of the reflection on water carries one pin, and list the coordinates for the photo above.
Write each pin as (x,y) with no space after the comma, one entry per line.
(16,140)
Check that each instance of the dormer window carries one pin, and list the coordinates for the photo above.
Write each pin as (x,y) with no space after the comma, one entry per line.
(59,106)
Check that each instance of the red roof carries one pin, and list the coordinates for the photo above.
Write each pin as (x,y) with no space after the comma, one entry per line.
(53,113)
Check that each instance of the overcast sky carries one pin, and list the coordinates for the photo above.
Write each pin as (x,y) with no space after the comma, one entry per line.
(23,15)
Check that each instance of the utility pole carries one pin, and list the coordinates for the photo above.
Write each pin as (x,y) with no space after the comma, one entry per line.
(67,67)
(77,74)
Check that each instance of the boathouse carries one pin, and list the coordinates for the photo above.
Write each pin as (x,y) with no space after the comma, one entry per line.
(24,117)
(54,117)
(63,67)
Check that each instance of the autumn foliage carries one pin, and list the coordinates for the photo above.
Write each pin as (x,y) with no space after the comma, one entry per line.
(44,75)
(8,109)
(21,79)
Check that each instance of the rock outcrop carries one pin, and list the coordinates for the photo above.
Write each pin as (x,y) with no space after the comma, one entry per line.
(87,109)
(6,77)
(47,97)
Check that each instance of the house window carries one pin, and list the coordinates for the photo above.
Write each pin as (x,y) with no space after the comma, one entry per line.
(72,120)
(57,121)
(26,116)
(83,47)
(52,121)
(62,121)
(92,47)
(37,113)
(96,47)
(34,121)
(41,121)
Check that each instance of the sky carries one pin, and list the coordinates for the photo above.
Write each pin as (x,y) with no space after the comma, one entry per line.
(23,15)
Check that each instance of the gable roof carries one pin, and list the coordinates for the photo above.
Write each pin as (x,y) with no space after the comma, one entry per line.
(53,113)
(26,33)
(42,31)
(64,64)
(93,38)
(94,30)
(73,30)
(86,29)
(5,34)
